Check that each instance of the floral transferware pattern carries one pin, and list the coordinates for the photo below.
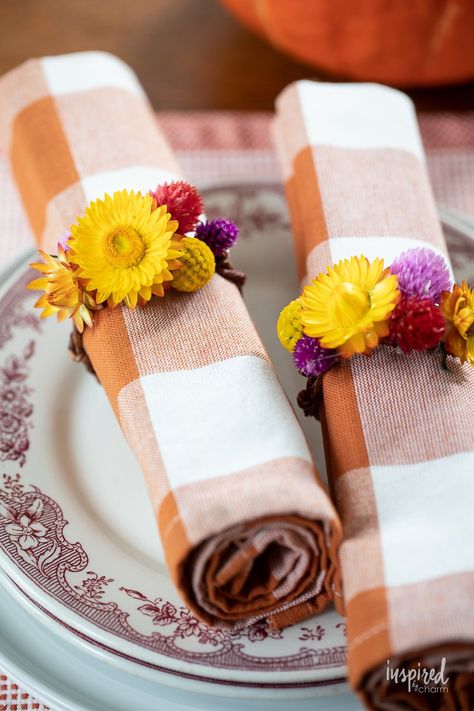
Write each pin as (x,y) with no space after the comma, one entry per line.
(15,407)
(164,614)
(31,531)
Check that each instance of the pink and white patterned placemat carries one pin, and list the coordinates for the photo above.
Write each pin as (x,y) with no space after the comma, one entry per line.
(13,698)
(228,149)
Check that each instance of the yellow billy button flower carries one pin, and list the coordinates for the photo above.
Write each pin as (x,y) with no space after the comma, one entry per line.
(64,294)
(124,248)
(198,268)
(457,307)
(349,306)
(289,325)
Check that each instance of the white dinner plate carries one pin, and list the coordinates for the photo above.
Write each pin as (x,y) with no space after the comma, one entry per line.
(68,679)
(77,532)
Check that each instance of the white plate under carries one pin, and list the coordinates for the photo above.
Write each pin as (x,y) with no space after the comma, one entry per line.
(68,679)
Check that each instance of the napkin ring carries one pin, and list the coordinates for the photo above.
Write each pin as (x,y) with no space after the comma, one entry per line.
(357,305)
(128,248)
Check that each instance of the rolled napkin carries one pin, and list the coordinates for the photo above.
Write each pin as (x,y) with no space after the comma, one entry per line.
(398,429)
(247,529)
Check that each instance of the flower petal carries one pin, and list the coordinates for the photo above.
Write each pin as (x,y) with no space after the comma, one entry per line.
(27,541)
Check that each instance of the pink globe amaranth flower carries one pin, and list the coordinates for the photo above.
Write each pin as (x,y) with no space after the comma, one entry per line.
(183,202)
(311,359)
(423,273)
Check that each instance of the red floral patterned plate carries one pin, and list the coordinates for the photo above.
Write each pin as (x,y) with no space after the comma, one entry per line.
(77,533)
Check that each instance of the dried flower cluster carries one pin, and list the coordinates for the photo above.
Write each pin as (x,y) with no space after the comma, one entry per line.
(357,305)
(129,247)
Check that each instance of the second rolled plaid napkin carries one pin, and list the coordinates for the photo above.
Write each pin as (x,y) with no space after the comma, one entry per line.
(247,528)
(398,428)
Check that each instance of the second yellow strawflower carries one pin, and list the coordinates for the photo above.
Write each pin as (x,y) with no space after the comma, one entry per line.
(348,307)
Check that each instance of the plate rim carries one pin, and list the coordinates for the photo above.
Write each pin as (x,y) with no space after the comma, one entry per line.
(32,679)
(105,654)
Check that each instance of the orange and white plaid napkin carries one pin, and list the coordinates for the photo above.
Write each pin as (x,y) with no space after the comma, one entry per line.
(247,528)
(399,431)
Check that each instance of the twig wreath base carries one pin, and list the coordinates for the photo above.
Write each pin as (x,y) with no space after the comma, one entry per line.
(128,248)
(311,398)
(77,352)
(226,270)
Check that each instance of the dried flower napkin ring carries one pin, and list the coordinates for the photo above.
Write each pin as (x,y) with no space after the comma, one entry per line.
(130,247)
(356,305)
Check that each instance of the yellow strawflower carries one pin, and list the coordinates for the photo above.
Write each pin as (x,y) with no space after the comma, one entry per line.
(349,306)
(64,294)
(124,248)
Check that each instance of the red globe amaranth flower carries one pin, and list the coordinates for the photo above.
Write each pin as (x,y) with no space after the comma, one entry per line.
(183,202)
(416,324)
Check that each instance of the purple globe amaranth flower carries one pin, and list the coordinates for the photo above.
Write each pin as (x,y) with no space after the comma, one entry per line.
(310,358)
(421,272)
(219,235)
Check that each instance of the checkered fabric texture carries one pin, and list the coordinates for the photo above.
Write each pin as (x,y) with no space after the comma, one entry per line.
(398,429)
(228,469)
(13,698)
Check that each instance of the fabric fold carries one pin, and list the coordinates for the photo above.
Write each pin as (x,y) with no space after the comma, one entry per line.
(247,528)
(398,429)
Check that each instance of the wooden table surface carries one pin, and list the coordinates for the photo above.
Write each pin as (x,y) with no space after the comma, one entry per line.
(189,54)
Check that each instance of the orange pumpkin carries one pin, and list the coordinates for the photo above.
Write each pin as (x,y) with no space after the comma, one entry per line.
(401,42)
